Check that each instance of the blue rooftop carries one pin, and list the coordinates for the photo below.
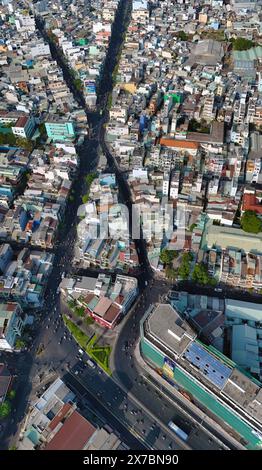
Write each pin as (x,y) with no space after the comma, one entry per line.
(213,369)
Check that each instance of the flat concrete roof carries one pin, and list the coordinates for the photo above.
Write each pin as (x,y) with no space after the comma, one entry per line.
(230,237)
(243,310)
(245,393)
(166,325)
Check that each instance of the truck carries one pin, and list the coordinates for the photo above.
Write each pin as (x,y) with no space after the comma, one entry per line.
(178,431)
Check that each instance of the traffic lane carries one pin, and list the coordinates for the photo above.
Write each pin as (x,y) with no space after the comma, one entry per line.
(118,401)
(163,407)
(58,350)
(161,389)
(227,292)
(122,406)
(87,155)
(167,411)
(82,392)
(129,374)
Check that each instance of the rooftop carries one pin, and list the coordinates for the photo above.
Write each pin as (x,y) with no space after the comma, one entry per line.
(166,326)
(73,435)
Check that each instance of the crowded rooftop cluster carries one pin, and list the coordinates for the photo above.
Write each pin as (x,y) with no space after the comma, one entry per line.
(185,125)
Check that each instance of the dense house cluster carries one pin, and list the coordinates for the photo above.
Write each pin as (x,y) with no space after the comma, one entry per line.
(103,233)
(105,300)
(84,44)
(24,274)
(185,124)
(40,127)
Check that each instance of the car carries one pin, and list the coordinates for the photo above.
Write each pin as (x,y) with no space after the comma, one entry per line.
(218,289)
(90,364)
(81,351)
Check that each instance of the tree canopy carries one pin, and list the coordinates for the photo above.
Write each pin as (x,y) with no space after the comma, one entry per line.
(5,409)
(182,36)
(201,276)
(250,222)
(242,44)
(167,256)
(184,268)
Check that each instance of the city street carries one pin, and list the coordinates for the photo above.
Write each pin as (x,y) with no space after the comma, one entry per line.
(127,401)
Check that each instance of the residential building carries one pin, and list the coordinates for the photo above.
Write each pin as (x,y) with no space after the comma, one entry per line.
(59,130)
(11,325)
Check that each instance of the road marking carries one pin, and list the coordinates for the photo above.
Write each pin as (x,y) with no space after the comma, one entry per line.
(117,417)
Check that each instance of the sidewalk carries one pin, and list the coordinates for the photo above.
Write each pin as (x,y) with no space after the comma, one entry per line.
(188,404)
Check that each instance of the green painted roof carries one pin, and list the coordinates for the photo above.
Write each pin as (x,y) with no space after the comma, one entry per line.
(254,53)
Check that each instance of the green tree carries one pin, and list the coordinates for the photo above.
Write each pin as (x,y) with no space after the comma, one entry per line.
(19,343)
(250,222)
(192,226)
(184,268)
(242,44)
(5,409)
(78,84)
(11,395)
(182,36)
(167,256)
(85,199)
(200,275)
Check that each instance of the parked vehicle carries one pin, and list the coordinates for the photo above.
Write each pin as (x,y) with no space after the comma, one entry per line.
(178,431)
(90,364)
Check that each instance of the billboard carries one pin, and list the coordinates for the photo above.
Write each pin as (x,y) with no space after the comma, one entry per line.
(169,368)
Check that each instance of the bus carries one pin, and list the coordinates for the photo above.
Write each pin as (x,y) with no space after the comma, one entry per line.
(182,434)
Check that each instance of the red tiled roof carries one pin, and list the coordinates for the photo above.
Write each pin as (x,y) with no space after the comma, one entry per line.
(58,418)
(112,313)
(73,435)
(183,144)
(251,203)
(21,121)
(122,256)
